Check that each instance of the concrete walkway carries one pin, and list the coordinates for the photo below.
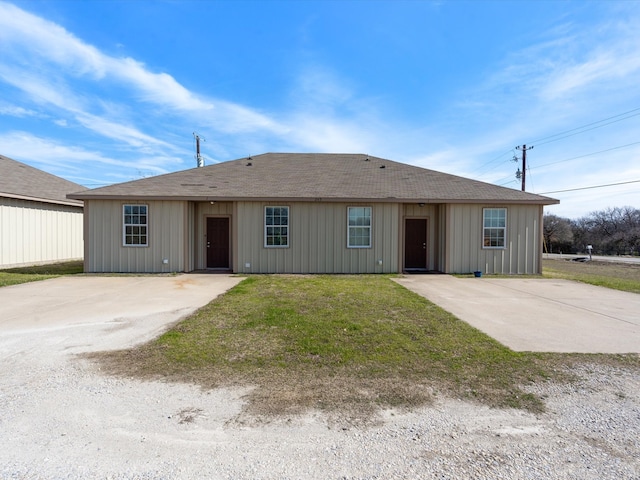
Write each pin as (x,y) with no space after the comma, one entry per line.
(540,315)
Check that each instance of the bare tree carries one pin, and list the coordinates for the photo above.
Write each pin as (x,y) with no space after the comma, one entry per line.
(581,235)
(557,233)
(614,231)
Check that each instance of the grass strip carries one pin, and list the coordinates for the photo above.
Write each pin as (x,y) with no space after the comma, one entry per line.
(618,276)
(16,276)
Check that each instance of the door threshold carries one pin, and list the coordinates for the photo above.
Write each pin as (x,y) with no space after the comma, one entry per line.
(420,271)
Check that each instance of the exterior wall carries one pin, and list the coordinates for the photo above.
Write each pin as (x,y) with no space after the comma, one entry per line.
(189,236)
(523,251)
(104,251)
(443,253)
(37,233)
(317,240)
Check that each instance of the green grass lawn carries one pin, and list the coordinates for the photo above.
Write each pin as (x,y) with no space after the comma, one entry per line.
(619,276)
(336,343)
(15,276)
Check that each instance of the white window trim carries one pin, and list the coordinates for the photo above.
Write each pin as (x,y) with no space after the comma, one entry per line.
(264,221)
(370,227)
(124,226)
(503,247)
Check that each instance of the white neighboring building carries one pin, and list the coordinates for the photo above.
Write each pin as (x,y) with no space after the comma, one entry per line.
(38,223)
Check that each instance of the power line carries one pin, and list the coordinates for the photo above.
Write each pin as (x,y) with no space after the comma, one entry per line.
(588,154)
(529,168)
(587,130)
(491,161)
(568,133)
(635,111)
(589,188)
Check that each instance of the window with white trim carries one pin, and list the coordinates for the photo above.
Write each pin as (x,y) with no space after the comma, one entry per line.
(359,227)
(276,226)
(494,221)
(135,225)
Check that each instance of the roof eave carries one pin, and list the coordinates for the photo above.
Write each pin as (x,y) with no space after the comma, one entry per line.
(71,203)
(210,198)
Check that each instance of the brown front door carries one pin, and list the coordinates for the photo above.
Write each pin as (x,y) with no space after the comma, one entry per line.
(217,242)
(415,244)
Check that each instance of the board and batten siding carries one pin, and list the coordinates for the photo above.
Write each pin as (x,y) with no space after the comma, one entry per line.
(34,233)
(167,238)
(522,254)
(317,239)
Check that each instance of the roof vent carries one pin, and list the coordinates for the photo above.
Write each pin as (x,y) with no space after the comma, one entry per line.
(382,166)
(366,159)
(249,164)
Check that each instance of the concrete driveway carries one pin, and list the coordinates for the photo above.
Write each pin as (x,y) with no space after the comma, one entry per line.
(540,315)
(87,313)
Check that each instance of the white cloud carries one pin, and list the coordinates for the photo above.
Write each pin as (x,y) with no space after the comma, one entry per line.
(600,67)
(72,161)
(160,88)
(29,39)
(119,131)
(41,89)
(15,111)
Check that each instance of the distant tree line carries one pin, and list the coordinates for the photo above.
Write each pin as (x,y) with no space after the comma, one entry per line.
(614,231)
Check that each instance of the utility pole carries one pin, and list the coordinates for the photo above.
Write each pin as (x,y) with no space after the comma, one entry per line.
(199,159)
(523,175)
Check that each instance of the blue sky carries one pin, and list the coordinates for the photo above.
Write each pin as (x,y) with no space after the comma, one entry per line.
(100,92)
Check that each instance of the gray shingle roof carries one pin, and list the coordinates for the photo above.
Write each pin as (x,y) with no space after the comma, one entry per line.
(314,176)
(18,180)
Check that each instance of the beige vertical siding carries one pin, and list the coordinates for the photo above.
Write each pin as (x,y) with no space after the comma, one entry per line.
(442,251)
(317,240)
(166,223)
(523,246)
(36,232)
(202,211)
(189,236)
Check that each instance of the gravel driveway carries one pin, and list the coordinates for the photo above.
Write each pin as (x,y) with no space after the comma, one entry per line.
(61,418)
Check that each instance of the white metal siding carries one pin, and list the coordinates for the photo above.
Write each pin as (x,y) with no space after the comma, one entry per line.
(522,252)
(166,224)
(317,240)
(36,232)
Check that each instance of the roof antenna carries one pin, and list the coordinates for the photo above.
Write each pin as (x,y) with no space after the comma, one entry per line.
(199,158)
